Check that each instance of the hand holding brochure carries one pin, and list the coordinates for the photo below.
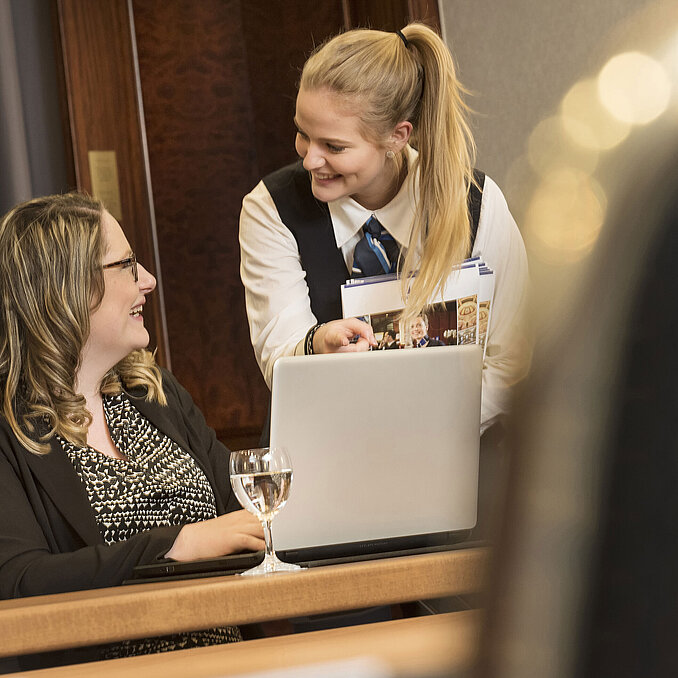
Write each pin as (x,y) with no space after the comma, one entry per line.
(460,315)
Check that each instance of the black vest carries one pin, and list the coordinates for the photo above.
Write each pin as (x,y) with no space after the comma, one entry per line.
(309,221)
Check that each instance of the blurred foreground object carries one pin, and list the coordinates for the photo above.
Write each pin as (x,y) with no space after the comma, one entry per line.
(586,572)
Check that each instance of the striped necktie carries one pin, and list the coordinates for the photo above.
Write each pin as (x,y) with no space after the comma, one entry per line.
(376,252)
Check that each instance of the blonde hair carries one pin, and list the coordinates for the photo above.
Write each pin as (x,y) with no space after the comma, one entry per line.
(51,252)
(386,82)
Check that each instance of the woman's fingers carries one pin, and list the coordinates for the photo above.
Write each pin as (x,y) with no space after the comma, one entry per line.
(348,334)
(221,536)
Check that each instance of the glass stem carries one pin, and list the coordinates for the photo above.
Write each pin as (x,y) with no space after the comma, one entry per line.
(268,539)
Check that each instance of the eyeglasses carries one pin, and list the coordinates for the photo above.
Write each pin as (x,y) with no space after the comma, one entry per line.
(124,263)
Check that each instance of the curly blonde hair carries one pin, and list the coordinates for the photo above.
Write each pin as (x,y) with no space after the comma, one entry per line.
(385,81)
(51,277)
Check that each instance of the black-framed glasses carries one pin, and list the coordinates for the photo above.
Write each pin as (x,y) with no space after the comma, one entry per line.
(123,263)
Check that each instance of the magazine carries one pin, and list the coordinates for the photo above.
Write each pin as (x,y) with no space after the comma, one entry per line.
(485,293)
(461,314)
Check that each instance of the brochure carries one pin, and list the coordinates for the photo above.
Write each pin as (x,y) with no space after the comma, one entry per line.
(461,314)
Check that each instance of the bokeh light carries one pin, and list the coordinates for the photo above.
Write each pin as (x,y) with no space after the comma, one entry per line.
(669,58)
(565,216)
(587,121)
(634,87)
(550,146)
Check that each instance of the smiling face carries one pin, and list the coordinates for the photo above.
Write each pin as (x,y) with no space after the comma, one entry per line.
(342,162)
(418,329)
(117,324)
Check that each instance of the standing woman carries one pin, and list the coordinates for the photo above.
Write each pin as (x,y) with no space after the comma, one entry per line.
(105,462)
(366,100)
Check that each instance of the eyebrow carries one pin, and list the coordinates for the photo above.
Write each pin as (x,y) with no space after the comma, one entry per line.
(127,254)
(328,140)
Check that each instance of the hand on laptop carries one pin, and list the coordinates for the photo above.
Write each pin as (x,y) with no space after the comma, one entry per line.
(221,536)
(341,336)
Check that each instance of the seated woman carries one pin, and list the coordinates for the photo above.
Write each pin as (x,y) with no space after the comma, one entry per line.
(105,461)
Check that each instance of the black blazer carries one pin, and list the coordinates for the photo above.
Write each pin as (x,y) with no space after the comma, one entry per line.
(49,539)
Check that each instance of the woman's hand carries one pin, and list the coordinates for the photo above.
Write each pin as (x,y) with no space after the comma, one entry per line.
(221,536)
(339,336)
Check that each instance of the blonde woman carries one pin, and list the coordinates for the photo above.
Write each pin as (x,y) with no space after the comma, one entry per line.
(366,100)
(105,462)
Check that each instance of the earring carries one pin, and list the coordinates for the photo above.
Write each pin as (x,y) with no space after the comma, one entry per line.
(390,154)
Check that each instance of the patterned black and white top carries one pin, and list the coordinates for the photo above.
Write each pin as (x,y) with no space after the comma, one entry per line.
(156,485)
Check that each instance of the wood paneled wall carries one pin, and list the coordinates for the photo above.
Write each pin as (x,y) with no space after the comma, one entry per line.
(97,69)
(218,83)
(390,16)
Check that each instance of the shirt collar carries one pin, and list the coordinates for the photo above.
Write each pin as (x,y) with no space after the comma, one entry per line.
(396,217)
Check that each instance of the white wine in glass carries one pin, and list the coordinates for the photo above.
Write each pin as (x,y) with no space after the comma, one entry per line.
(261,480)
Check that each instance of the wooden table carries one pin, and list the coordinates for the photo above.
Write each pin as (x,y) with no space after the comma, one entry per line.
(83,618)
(422,646)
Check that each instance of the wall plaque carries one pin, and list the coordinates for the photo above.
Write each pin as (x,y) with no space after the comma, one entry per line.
(103,170)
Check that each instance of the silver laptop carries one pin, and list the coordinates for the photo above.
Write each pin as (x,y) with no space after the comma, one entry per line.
(384,448)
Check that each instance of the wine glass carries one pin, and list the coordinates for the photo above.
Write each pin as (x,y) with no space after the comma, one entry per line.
(261,480)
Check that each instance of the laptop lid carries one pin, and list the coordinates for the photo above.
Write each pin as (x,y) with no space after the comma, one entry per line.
(384,445)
